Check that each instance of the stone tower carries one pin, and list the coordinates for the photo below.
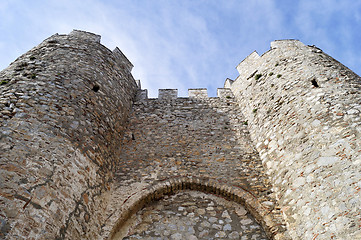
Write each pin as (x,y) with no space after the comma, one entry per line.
(83,148)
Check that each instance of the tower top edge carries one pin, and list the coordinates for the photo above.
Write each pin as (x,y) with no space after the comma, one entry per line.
(86,35)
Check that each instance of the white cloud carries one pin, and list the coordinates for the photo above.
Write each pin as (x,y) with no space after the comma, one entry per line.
(332,25)
(182,44)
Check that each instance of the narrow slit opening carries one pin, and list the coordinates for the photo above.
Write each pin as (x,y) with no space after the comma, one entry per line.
(314,83)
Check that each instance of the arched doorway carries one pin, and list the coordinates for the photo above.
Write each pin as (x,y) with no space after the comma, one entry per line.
(191,215)
(153,210)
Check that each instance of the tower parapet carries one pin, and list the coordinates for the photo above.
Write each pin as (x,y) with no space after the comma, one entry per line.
(287,45)
(225,93)
(193,93)
(197,93)
(122,59)
(87,36)
(167,94)
(249,63)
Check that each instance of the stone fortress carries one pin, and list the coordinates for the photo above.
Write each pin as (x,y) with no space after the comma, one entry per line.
(83,149)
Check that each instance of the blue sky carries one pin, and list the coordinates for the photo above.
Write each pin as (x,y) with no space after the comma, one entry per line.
(186,43)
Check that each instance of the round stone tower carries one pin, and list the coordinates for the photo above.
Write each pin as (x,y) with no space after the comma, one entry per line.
(303,108)
(63,107)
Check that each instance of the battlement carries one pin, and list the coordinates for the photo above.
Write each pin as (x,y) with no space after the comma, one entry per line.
(122,59)
(193,93)
(287,43)
(167,94)
(197,93)
(254,60)
(250,60)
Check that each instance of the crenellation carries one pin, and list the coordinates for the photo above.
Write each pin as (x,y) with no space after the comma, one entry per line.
(122,59)
(250,62)
(228,83)
(88,36)
(142,94)
(287,44)
(225,93)
(167,94)
(197,93)
(139,84)
(193,93)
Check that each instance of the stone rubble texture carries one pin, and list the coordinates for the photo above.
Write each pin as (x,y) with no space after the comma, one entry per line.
(85,154)
(59,136)
(193,215)
(194,139)
(304,117)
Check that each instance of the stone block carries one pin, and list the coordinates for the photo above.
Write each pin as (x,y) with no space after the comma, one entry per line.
(122,59)
(85,35)
(142,94)
(167,94)
(197,93)
(225,93)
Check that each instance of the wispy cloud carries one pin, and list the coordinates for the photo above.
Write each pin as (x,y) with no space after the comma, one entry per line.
(185,44)
(332,25)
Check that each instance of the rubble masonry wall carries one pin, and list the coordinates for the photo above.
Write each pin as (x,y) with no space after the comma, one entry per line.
(82,147)
(63,108)
(303,109)
(196,143)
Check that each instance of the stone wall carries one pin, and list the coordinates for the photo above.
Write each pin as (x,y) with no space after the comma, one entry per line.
(196,143)
(63,107)
(303,111)
(82,147)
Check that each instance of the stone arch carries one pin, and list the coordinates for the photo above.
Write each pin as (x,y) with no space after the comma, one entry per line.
(210,186)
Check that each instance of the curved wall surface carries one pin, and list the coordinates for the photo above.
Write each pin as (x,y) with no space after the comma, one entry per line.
(63,107)
(303,109)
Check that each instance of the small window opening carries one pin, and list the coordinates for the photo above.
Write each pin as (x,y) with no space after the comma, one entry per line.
(96,88)
(314,83)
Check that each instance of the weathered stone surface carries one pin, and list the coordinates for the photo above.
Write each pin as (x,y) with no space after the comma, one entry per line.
(302,108)
(204,139)
(175,217)
(83,149)
(63,111)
